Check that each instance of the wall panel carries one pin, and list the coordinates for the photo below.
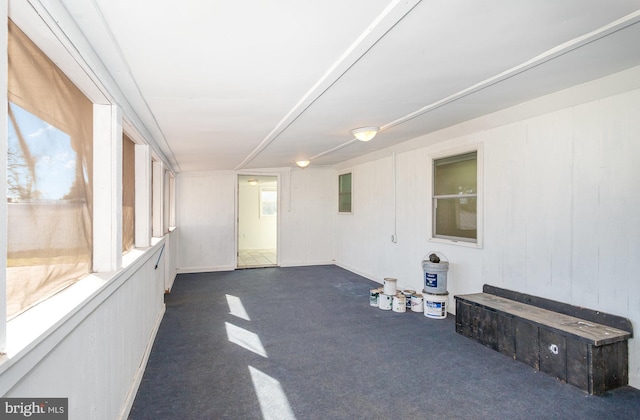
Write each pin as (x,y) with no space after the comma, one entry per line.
(560,212)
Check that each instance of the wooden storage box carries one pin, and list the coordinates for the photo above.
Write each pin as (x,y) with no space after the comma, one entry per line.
(586,354)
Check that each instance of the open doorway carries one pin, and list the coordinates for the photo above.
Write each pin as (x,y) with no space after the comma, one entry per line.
(257,221)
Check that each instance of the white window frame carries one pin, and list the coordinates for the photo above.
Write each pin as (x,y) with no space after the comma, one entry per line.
(347,172)
(478,243)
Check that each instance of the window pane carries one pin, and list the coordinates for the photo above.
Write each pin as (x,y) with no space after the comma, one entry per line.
(456,217)
(344,193)
(344,181)
(345,203)
(268,202)
(128,193)
(456,174)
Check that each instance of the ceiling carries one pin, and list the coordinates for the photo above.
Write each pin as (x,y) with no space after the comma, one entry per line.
(237,85)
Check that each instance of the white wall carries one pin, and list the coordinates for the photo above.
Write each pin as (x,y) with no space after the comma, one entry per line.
(560,209)
(307,203)
(255,231)
(207,213)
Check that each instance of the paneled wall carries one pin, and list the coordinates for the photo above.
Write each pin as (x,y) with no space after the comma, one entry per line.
(207,218)
(95,357)
(560,209)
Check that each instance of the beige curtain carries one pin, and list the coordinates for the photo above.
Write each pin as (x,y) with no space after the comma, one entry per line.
(49,213)
(128,193)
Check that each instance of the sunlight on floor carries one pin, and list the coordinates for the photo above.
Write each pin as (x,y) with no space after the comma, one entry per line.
(271,397)
(245,339)
(236,307)
(273,401)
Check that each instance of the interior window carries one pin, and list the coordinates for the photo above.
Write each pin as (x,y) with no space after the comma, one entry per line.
(455,197)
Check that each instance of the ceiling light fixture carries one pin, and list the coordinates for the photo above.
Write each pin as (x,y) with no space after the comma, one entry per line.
(252,181)
(365,133)
(303,163)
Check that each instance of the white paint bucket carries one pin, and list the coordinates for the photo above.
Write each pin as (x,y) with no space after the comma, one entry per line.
(416,303)
(399,303)
(390,286)
(407,294)
(435,276)
(385,301)
(373,297)
(435,306)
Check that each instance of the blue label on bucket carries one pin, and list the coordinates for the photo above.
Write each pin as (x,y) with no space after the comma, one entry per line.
(434,305)
(431,280)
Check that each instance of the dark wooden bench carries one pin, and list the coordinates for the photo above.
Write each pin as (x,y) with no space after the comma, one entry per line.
(580,346)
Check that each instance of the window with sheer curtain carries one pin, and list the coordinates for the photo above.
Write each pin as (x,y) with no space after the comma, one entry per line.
(128,192)
(49,177)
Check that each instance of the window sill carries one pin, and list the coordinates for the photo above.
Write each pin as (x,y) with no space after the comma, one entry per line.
(53,318)
(457,243)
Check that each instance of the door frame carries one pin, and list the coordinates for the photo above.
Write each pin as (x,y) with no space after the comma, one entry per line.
(257,173)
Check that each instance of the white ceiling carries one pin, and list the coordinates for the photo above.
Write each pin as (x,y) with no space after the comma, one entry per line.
(257,84)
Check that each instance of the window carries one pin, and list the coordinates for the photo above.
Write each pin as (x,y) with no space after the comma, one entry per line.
(268,202)
(344,193)
(455,197)
(49,174)
(128,193)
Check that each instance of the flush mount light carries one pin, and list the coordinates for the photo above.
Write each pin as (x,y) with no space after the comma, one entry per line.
(365,133)
(303,163)
(252,181)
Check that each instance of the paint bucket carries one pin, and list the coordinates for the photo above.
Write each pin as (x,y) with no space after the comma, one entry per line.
(399,303)
(385,301)
(373,297)
(407,294)
(390,286)
(435,306)
(435,276)
(416,303)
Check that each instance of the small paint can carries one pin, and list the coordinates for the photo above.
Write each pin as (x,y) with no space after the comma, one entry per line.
(385,301)
(407,294)
(417,303)
(373,297)
(399,303)
(390,286)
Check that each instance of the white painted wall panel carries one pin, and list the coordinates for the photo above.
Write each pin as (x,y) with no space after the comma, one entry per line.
(255,231)
(307,203)
(96,357)
(560,218)
(206,220)
(207,223)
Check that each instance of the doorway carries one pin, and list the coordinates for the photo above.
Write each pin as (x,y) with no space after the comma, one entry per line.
(257,221)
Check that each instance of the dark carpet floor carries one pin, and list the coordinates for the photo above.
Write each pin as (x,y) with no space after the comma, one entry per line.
(313,348)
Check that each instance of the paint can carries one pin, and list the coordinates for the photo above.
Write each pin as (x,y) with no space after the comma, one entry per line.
(373,297)
(385,301)
(390,286)
(417,303)
(435,305)
(435,277)
(399,303)
(407,294)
